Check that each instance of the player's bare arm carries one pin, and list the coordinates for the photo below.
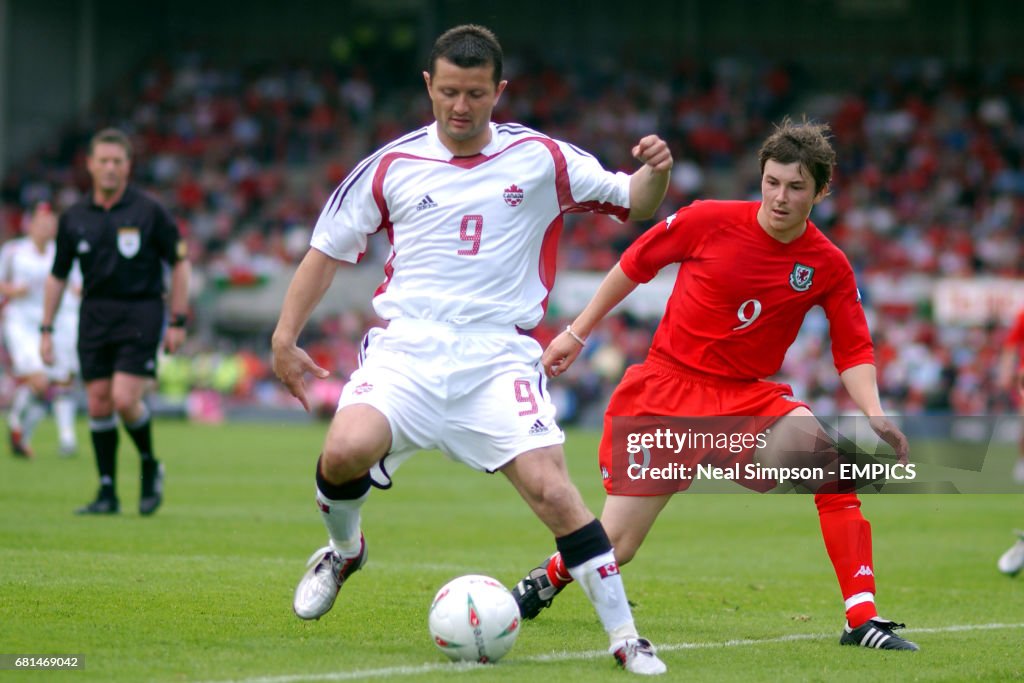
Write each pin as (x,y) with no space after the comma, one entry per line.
(53,290)
(861,381)
(647,186)
(312,278)
(564,349)
(13,290)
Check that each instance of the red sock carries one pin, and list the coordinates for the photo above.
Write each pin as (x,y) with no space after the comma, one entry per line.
(557,572)
(847,537)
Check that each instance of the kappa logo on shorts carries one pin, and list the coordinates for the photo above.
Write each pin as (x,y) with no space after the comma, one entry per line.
(605,474)
(513,195)
(864,571)
(363,388)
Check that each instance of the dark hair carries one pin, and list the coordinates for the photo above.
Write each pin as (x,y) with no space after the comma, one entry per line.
(112,136)
(467,46)
(805,142)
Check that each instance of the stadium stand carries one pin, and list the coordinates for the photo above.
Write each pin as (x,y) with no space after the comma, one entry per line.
(930,185)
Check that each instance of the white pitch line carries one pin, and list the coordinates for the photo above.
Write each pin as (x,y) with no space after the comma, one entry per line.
(395,671)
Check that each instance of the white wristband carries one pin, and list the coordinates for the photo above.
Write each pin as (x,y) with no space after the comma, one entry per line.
(579,340)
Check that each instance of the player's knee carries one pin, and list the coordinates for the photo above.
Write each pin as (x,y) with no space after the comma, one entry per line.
(347,452)
(126,405)
(38,383)
(100,405)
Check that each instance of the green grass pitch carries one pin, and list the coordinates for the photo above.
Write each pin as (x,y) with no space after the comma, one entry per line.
(730,586)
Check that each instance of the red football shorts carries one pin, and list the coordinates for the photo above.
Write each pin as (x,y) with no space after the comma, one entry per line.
(656,396)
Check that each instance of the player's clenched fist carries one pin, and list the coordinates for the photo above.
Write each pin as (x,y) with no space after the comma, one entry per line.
(654,152)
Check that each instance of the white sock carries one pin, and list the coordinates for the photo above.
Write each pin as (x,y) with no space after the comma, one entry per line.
(599,577)
(34,412)
(22,395)
(341,517)
(64,408)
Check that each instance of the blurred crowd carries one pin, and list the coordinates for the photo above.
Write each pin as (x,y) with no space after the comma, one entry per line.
(930,180)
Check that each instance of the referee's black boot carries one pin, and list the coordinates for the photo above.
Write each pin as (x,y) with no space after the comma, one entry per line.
(106,503)
(152,489)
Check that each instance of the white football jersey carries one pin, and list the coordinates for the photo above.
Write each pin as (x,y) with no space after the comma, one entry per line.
(21,263)
(473,239)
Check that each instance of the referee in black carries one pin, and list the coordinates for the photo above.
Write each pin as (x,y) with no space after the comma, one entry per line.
(123,240)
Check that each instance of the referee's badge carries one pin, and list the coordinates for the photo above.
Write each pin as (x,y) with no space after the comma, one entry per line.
(128,241)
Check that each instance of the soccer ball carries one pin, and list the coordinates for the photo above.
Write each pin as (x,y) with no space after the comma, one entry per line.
(474,619)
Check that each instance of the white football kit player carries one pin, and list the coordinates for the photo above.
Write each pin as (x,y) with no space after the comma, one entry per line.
(473,256)
(21,263)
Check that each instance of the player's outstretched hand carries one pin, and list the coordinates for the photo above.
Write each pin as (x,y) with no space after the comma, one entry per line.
(291,365)
(654,152)
(560,354)
(891,434)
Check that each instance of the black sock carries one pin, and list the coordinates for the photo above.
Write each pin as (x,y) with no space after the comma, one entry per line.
(350,490)
(142,435)
(589,541)
(103,431)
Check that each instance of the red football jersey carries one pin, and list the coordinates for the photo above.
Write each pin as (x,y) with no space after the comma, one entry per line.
(1015,340)
(741,295)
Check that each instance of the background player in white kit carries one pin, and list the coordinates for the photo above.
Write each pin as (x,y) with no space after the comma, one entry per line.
(473,211)
(24,264)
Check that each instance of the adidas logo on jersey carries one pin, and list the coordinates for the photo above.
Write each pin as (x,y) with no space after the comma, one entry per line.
(539,428)
(426,203)
(864,571)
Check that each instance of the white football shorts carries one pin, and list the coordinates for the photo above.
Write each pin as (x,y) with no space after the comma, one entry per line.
(475,392)
(22,340)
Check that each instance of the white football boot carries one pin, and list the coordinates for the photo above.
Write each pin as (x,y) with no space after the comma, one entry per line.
(638,656)
(316,592)
(1012,561)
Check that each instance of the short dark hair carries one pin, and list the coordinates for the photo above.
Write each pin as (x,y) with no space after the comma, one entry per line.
(467,46)
(806,142)
(112,136)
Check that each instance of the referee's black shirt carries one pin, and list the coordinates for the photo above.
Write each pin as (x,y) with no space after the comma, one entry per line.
(120,251)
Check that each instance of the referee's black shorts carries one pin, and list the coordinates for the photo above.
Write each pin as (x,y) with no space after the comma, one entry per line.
(119,336)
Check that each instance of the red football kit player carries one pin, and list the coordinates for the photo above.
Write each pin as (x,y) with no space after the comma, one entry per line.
(1011,365)
(1011,379)
(726,327)
(748,274)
